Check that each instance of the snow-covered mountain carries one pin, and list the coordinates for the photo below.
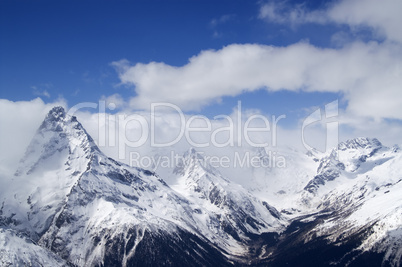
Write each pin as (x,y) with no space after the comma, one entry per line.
(349,159)
(358,188)
(91,210)
(239,212)
(69,204)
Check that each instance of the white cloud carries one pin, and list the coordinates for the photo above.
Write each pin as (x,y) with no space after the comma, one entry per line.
(382,16)
(24,117)
(19,121)
(114,101)
(367,74)
(377,89)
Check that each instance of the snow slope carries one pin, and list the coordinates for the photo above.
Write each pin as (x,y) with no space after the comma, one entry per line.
(18,250)
(358,186)
(239,212)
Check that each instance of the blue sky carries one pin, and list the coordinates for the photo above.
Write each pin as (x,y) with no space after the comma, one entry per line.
(279,57)
(64,49)
(276,57)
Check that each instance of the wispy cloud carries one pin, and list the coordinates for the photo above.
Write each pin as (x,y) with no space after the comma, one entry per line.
(383,17)
(76,92)
(42,90)
(222,19)
(216,22)
(282,13)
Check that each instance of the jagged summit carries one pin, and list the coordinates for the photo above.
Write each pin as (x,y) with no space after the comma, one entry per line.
(193,160)
(59,153)
(350,158)
(56,113)
(53,119)
(59,134)
(58,120)
(192,155)
(190,151)
(360,142)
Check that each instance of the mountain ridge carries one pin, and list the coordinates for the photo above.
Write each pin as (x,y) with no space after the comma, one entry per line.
(82,208)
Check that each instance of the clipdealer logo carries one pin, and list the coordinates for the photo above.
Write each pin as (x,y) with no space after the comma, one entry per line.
(329,116)
(234,131)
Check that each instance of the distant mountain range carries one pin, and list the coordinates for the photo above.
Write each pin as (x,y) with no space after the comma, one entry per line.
(68,204)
